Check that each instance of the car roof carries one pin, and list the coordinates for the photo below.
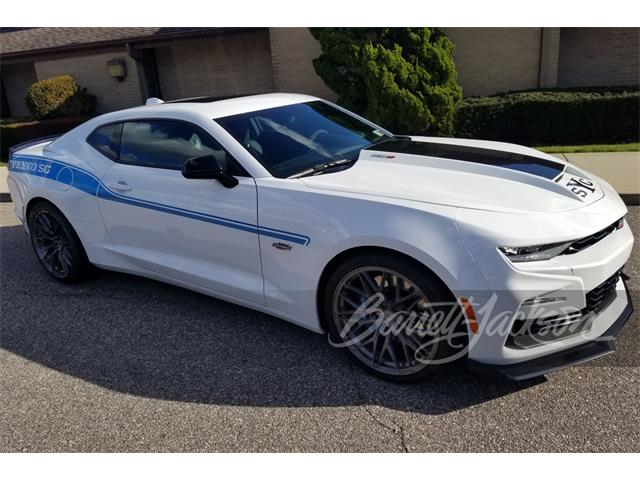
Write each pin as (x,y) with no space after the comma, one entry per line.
(221,108)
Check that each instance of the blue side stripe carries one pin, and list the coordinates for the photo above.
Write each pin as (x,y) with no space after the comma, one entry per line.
(89,183)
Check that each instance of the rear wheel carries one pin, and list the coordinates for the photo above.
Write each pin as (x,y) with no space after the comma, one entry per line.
(56,244)
(382,309)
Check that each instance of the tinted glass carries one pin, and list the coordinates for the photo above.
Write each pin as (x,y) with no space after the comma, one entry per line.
(107,140)
(292,138)
(168,144)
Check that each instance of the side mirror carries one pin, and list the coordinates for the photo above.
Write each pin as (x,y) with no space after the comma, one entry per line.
(207,167)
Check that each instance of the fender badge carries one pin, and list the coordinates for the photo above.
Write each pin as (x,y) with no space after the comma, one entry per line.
(281,246)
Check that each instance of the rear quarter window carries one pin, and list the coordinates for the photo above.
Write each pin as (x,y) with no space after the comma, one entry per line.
(106,140)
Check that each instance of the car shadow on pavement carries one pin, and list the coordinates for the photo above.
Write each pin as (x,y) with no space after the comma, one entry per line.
(146,338)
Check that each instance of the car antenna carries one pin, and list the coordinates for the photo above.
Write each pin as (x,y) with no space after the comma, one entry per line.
(153,101)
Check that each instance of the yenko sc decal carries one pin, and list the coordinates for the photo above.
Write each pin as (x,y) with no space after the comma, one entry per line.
(581,186)
(41,169)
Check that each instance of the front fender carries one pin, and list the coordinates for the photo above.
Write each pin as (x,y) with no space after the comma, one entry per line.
(334,223)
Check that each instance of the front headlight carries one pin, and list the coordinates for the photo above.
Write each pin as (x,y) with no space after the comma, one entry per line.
(535,253)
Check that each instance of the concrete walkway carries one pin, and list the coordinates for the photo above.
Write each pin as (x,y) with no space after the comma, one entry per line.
(620,169)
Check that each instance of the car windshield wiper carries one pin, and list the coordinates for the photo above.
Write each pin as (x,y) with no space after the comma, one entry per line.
(322,167)
(386,138)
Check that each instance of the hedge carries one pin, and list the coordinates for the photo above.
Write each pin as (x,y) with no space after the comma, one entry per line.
(13,133)
(58,97)
(553,117)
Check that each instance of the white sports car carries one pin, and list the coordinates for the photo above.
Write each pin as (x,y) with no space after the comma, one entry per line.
(410,252)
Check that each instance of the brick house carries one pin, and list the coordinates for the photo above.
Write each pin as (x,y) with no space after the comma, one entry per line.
(185,62)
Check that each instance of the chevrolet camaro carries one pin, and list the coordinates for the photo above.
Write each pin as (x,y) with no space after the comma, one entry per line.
(409,252)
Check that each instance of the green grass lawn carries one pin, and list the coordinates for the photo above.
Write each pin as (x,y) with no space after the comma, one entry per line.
(620,147)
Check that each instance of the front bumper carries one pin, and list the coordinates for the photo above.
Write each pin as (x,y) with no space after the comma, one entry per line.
(563,284)
(540,366)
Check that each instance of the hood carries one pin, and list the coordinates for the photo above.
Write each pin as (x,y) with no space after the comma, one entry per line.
(464,173)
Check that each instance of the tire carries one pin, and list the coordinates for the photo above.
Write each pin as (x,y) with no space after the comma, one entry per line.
(389,356)
(56,244)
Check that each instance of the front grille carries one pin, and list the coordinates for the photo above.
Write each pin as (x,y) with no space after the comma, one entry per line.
(600,297)
(586,242)
(526,333)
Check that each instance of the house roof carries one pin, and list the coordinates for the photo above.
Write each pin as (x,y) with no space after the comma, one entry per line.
(22,41)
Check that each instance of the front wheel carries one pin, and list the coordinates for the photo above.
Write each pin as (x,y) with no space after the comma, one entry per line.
(56,244)
(393,317)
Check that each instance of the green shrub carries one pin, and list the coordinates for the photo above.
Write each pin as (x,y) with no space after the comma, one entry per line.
(402,78)
(59,97)
(13,133)
(553,117)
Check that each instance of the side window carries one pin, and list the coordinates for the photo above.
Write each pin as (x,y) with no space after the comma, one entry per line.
(107,140)
(168,144)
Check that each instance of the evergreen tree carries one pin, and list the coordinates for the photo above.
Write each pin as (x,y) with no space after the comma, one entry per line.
(402,78)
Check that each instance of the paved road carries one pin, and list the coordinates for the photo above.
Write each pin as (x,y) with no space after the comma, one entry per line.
(125,364)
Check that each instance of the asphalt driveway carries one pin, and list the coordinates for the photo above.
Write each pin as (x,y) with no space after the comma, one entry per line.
(121,363)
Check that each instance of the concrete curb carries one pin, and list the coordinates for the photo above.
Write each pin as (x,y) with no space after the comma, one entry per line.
(4,188)
(630,198)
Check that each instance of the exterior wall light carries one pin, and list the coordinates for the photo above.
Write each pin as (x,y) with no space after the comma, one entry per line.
(117,69)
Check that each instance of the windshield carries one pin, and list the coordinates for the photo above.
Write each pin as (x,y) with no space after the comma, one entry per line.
(289,139)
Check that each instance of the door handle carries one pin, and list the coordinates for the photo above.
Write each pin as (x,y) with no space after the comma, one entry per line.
(120,186)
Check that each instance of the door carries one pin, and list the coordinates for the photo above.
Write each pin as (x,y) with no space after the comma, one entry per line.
(195,231)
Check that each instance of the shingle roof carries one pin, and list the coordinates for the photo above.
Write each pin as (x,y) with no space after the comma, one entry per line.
(24,40)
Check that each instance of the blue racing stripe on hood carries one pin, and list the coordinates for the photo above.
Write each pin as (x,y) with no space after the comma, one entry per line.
(539,167)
